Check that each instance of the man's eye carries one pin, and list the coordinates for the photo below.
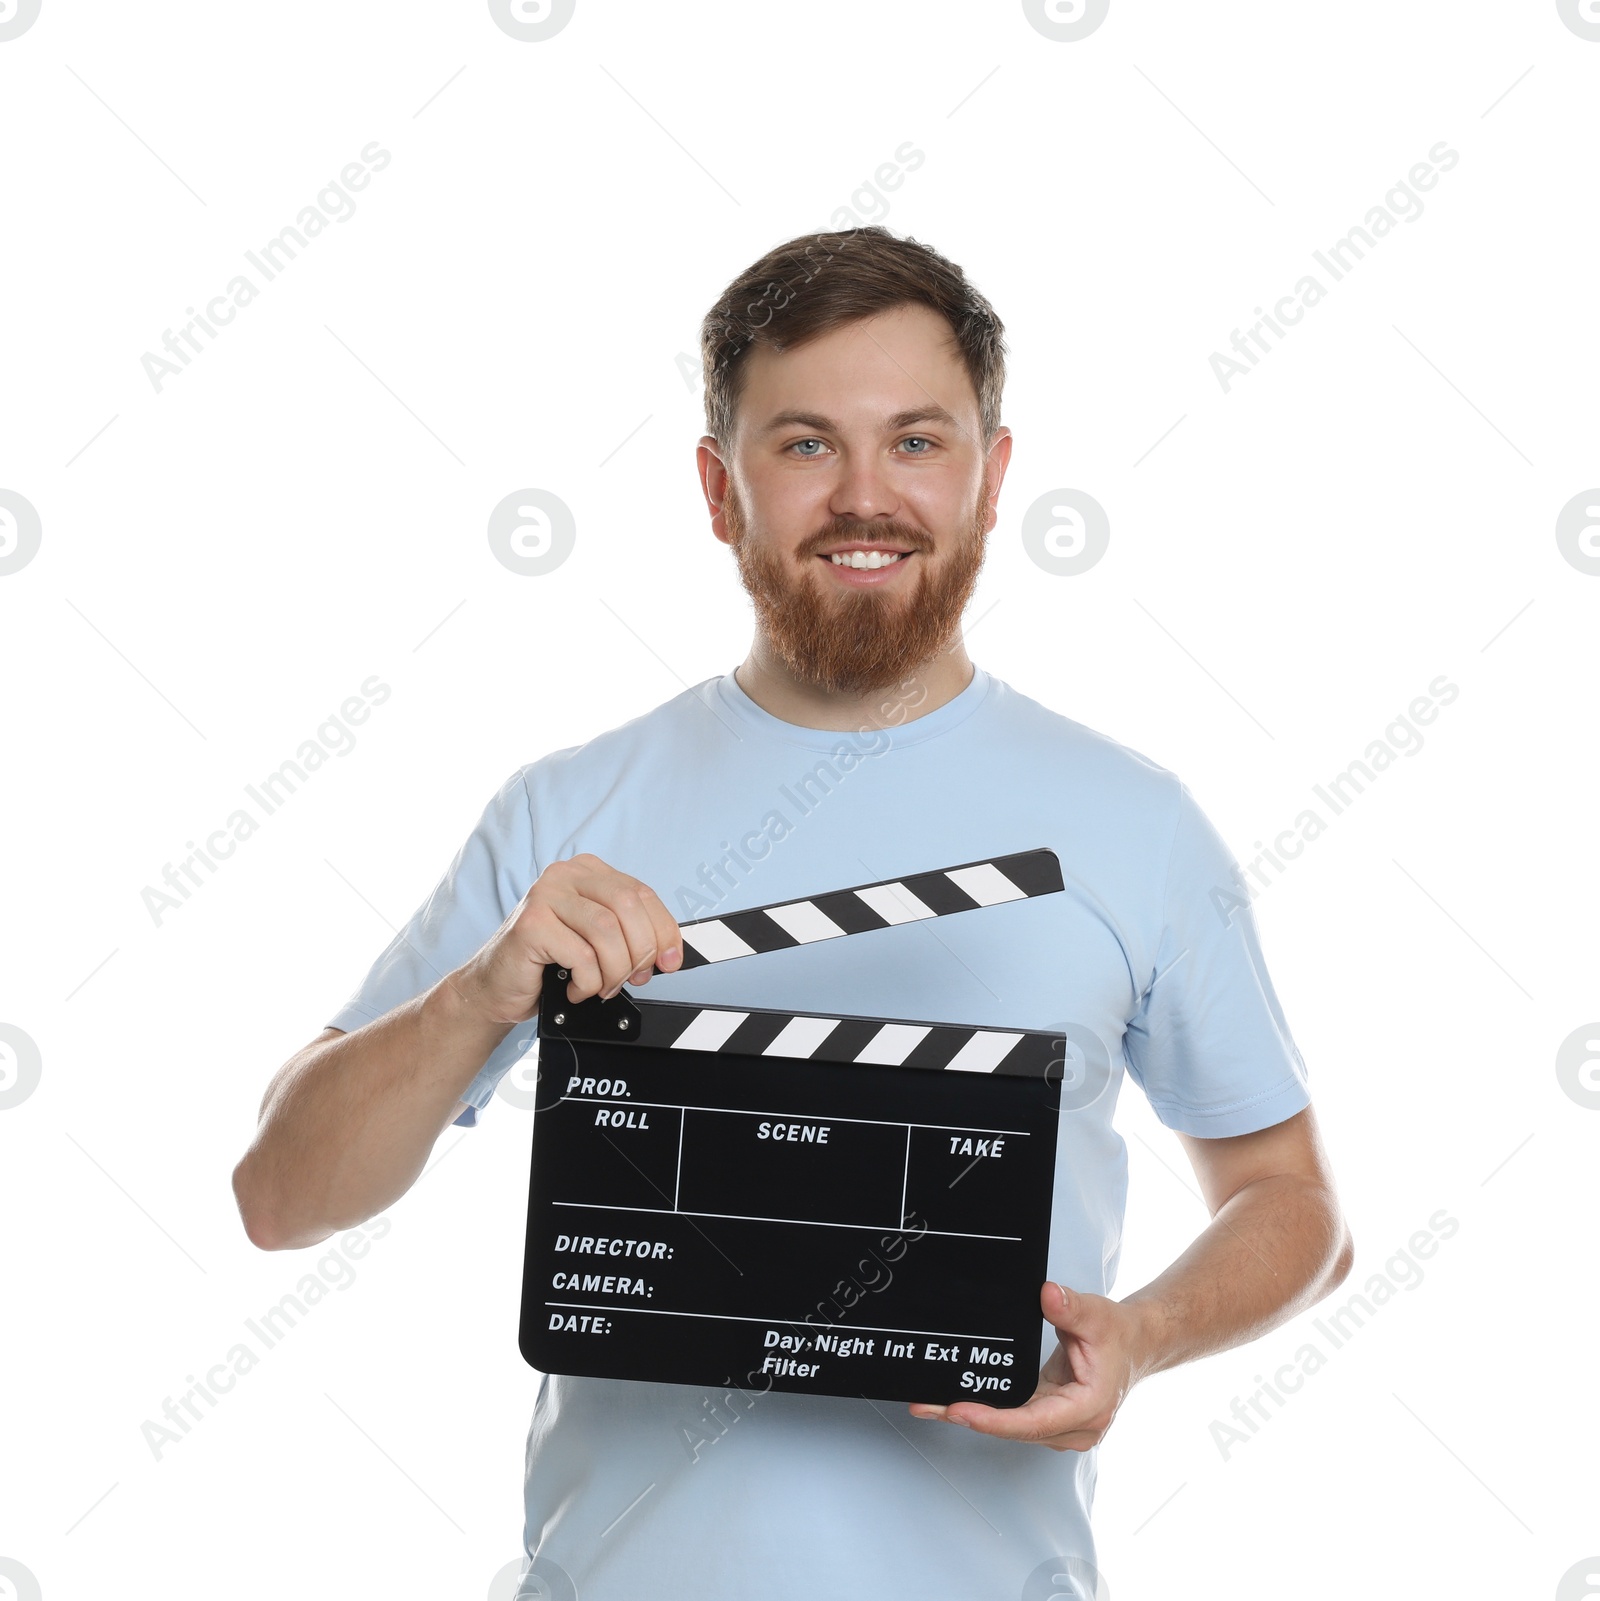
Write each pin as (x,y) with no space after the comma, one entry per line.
(918,439)
(799,442)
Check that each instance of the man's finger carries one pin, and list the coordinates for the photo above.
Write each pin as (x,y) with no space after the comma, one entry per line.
(1042,1418)
(666,936)
(1067,1309)
(631,904)
(603,931)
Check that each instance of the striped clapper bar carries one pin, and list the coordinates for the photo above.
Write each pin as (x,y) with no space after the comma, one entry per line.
(745,1199)
(869,906)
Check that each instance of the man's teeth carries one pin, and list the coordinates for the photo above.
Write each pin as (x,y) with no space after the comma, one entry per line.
(867,558)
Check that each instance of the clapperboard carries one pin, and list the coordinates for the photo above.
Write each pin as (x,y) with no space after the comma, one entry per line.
(807,1201)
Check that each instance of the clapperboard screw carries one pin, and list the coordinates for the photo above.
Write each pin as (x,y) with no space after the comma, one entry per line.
(622,1022)
(561,1017)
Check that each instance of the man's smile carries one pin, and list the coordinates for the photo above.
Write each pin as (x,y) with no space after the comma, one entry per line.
(864,566)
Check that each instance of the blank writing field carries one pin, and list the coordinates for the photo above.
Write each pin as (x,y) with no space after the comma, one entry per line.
(751,1164)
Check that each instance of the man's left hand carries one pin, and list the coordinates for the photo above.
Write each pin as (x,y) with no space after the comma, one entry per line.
(1097,1359)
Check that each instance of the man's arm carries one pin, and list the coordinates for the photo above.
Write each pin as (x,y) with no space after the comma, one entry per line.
(1276,1244)
(347,1123)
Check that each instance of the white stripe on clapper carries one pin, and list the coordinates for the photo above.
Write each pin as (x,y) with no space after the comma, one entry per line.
(708,1031)
(715,941)
(986,884)
(804,921)
(894,903)
(800,1036)
(982,1053)
(893,1043)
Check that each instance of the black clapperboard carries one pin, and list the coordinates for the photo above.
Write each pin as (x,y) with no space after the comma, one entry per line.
(806,1201)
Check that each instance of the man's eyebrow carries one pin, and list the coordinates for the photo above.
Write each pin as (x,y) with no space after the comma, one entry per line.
(826,425)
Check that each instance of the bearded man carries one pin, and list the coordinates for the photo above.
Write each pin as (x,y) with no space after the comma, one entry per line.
(853,463)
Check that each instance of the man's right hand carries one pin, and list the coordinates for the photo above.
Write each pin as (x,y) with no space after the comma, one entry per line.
(603,926)
(348,1121)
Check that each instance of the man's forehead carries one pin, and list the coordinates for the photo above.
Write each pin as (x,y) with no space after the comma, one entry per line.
(894,369)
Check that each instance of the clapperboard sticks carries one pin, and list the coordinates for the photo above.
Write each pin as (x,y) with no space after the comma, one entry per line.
(821,1036)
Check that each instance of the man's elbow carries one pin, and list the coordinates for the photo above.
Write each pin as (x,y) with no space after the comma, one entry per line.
(262,1226)
(1330,1235)
(257,1221)
(1344,1257)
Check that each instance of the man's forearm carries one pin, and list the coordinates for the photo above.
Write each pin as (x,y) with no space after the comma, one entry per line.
(1276,1247)
(347,1124)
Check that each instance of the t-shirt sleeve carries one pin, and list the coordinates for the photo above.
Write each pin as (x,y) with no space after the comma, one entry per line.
(480,889)
(1209,1045)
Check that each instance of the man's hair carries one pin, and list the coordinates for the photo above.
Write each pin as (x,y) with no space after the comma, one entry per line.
(820,281)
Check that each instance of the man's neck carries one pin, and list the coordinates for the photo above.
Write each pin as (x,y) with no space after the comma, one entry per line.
(768,682)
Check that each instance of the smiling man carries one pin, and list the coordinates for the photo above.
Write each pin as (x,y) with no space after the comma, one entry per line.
(853,462)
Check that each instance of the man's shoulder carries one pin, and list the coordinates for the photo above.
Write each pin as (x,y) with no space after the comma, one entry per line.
(1082,753)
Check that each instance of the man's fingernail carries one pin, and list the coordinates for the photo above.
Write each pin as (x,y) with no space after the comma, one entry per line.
(669,956)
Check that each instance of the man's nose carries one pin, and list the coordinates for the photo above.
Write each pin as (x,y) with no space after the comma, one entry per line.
(863,492)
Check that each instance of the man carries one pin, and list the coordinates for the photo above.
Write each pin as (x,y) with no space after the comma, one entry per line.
(853,463)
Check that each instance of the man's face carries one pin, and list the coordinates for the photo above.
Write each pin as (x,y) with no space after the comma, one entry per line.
(864,438)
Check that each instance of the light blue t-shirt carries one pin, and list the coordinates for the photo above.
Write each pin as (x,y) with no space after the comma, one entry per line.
(638,1489)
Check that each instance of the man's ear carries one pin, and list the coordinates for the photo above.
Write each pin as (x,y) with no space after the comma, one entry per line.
(713,482)
(998,459)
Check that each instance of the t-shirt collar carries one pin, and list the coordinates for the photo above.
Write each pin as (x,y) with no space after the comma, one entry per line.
(896,717)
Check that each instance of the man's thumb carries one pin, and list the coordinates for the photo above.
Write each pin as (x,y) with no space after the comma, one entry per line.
(1068,1307)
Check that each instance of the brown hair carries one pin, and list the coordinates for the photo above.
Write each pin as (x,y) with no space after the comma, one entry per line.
(819,281)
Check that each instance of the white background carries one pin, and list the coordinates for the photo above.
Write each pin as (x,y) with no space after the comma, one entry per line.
(1291,564)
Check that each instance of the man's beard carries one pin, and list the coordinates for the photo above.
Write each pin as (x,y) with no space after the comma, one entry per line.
(854,642)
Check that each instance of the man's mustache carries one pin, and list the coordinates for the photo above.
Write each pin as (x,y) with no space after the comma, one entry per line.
(870,534)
